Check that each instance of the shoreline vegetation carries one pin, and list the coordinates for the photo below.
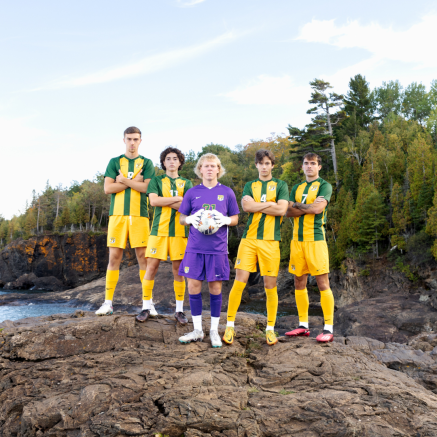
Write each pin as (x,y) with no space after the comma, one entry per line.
(379,151)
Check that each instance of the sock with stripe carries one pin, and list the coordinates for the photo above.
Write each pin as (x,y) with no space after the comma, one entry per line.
(147,294)
(234,301)
(327,302)
(142,274)
(196,310)
(111,282)
(302,303)
(272,306)
(179,292)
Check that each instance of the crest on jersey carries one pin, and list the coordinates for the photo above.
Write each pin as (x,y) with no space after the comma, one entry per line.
(186,269)
(238,261)
(138,164)
(181,185)
(293,267)
(314,188)
(272,188)
(220,197)
(112,240)
(153,250)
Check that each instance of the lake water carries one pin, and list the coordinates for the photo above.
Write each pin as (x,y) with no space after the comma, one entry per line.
(15,312)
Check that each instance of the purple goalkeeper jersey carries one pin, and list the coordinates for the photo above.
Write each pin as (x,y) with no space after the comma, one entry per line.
(222,199)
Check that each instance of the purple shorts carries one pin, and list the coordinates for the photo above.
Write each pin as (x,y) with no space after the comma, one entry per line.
(202,266)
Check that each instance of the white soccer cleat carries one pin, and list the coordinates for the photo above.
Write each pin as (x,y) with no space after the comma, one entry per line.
(153,312)
(215,339)
(196,335)
(105,310)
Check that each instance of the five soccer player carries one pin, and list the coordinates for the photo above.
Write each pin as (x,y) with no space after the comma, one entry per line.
(131,180)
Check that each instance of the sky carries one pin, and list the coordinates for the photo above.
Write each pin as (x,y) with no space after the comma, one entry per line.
(188,73)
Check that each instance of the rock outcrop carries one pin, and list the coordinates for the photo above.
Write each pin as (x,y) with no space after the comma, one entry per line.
(82,375)
(73,259)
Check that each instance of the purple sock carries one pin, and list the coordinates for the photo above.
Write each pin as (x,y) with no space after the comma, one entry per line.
(196,304)
(215,301)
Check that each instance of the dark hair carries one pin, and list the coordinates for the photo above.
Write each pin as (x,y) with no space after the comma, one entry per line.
(312,155)
(168,150)
(132,130)
(259,156)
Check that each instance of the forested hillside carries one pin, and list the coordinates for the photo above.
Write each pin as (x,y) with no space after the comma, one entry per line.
(379,150)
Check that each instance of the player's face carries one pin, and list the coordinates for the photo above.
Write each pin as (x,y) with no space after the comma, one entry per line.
(311,167)
(172,162)
(265,167)
(209,170)
(132,142)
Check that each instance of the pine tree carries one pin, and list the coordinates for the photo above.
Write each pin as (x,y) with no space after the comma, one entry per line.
(398,218)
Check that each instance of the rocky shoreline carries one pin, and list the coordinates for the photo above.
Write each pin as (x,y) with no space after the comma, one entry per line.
(81,375)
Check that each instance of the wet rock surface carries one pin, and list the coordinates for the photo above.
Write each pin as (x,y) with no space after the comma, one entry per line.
(82,375)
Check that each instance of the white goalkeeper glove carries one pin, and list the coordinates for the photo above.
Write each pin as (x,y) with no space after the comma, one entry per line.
(194,219)
(220,219)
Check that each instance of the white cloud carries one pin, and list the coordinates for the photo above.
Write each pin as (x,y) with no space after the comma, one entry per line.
(147,65)
(267,90)
(189,3)
(409,45)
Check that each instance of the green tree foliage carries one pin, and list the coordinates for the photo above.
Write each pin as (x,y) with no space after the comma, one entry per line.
(388,99)
(416,104)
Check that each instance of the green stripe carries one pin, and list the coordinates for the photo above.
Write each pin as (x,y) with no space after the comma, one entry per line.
(249,222)
(156,219)
(111,208)
(260,230)
(277,235)
(171,225)
(302,217)
(130,168)
(144,212)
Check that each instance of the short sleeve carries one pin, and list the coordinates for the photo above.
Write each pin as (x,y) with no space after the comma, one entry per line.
(283,191)
(149,170)
(247,191)
(185,207)
(153,186)
(293,193)
(188,185)
(232,204)
(325,191)
(111,170)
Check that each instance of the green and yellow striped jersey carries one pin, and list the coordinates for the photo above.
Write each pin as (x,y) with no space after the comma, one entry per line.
(262,226)
(166,219)
(129,201)
(310,227)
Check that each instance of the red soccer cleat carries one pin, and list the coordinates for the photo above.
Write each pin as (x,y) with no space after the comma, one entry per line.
(300,331)
(325,337)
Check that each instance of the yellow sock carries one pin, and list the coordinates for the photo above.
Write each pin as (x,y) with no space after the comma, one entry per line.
(235,299)
(111,283)
(147,289)
(142,274)
(327,302)
(302,303)
(272,305)
(179,290)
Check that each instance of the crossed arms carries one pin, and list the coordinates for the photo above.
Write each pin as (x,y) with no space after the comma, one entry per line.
(296,209)
(270,208)
(138,183)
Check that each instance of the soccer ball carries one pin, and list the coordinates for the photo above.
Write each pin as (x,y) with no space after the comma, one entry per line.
(207,225)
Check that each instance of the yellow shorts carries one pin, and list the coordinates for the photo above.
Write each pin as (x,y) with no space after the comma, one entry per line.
(309,257)
(162,247)
(122,226)
(267,254)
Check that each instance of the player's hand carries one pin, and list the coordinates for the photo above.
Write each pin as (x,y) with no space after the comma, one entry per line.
(220,219)
(120,178)
(194,219)
(177,199)
(247,198)
(139,177)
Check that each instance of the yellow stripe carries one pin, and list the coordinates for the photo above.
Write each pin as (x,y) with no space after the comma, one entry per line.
(179,229)
(253,228)
(308,223)
(298,197)
(166,210)
(269,223)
